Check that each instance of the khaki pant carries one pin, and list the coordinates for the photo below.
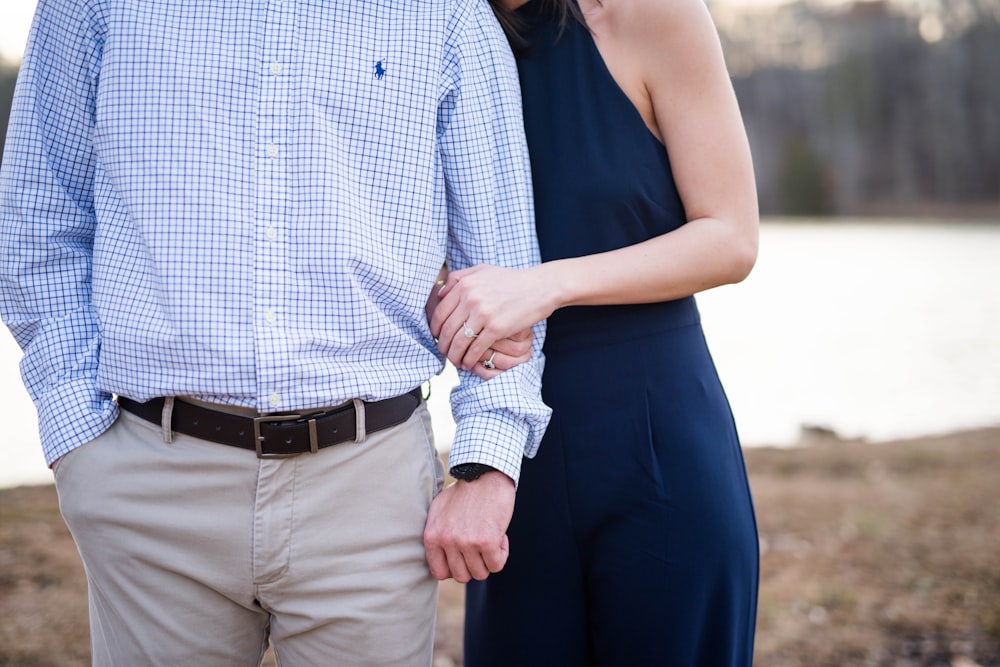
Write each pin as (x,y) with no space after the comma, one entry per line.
(196,552)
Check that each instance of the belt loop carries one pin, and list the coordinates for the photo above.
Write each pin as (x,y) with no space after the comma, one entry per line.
(359,420)
(167,420)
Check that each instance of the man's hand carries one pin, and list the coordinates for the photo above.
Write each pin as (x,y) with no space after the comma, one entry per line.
(466,533)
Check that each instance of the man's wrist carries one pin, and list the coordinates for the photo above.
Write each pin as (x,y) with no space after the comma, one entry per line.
(470,471)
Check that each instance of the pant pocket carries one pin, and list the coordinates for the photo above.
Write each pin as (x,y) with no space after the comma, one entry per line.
(434,458)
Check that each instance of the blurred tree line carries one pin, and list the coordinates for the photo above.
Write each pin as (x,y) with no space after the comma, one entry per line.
(861,108)
(8,75)
(866,108)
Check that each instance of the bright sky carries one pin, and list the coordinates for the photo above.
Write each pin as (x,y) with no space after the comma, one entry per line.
(15,19)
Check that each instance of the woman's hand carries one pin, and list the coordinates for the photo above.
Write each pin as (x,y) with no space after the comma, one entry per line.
(487,309)
(435,296)
(505,354)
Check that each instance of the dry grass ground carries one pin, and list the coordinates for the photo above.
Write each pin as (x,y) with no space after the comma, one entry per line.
(884,555)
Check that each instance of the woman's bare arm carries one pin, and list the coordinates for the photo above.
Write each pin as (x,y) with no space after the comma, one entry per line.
(667,58)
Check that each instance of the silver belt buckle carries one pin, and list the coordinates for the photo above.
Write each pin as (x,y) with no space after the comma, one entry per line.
(258,438)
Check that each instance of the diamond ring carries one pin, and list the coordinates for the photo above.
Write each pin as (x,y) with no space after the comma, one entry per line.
(489,362)
(467,330)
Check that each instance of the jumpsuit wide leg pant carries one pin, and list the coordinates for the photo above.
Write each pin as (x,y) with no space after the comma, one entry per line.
(633,540)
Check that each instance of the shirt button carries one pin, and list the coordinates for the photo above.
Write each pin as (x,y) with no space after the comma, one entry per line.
(276,68)
(274,400)
(270,317)
(270,233)
(272,150)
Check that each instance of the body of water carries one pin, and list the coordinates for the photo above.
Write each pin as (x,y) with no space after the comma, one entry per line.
(873,329)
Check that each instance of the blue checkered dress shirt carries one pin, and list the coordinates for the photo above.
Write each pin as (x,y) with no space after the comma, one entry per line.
(248,202)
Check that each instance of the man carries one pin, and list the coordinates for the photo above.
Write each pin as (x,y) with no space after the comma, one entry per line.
(211,211)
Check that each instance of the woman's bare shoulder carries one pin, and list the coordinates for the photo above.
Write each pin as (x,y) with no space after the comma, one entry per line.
(652,21)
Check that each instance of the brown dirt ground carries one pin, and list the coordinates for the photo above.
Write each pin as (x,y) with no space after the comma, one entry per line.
(872,555)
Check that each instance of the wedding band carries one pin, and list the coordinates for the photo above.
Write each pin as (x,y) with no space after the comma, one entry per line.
(489,362)
(467,330)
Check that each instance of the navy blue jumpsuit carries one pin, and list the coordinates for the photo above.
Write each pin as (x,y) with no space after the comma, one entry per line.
(633,540)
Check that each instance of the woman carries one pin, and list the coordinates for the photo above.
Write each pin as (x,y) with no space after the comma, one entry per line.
(633,540)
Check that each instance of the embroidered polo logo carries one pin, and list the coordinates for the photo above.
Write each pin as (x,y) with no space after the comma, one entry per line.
(379,70)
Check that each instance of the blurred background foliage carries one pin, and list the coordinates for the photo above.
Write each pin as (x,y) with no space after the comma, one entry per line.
(870,107)
(8,75)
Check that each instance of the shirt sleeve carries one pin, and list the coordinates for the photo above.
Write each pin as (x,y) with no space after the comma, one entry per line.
(47,226)
(491,221)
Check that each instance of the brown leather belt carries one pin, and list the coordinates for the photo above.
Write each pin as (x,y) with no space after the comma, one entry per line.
(277,435)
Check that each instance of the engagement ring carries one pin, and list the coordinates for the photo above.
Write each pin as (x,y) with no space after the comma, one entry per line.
(469,333)
(489,362)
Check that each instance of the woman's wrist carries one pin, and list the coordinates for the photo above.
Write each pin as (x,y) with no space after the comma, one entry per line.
(559,288)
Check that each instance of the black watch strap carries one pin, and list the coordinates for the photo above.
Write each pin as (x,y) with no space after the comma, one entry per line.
(470,471)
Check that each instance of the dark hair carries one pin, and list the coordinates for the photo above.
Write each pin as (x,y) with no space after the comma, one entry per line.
(563,10)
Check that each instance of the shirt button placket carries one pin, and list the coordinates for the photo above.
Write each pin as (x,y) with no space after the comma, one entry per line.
(271,260)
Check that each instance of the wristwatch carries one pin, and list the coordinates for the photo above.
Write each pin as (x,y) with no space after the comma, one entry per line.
(470,471)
